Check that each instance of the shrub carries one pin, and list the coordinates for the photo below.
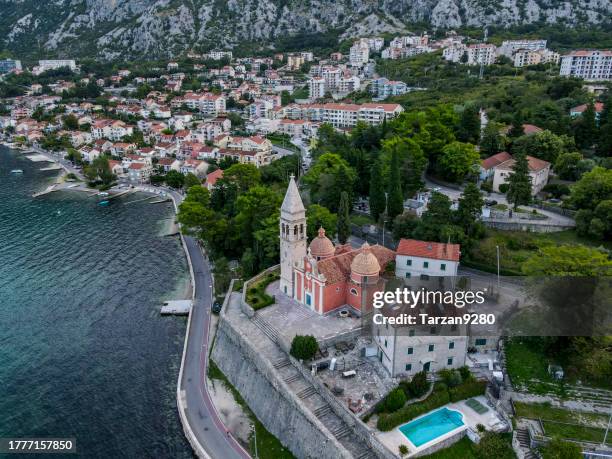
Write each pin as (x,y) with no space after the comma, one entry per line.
(494,445)
(403,450)
(503,188)
(486,186)
(451,378)
(480,427)
(419,384)
(395,400)
(304,347)
(466,374)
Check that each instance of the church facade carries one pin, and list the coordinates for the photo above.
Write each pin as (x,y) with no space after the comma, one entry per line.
(322,276)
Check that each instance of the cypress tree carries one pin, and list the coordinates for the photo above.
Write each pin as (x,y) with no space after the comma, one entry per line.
(377,191)
(395,203)
(586,129)
(469,125)
(344,223)
(519,182)
(517,126)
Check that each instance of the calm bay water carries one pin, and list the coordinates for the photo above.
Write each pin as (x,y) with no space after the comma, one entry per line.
(83,350)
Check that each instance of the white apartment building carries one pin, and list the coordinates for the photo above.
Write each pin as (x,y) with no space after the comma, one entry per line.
(376,43)
(359,52)
(44,65)
(422,258)
(316,88)
(454,52)
(524,57)
(593,65)
(481,53)
(218,55)
(509,47)
(383,88)
(342,115)
(113,130)
(207,103)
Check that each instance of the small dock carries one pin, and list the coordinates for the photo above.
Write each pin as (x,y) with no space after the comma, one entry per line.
(49,189)
(176,307)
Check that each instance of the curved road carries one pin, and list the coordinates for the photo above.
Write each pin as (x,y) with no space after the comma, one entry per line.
(200,412)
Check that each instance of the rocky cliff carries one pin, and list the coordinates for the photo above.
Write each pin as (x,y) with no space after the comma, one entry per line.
(127,28)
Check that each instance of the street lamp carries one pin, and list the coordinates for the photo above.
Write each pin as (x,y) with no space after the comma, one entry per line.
(498,282)
(385,218)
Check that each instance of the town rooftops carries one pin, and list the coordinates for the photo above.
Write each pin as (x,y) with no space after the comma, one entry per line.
(426,249)
(212,178)
(585,52)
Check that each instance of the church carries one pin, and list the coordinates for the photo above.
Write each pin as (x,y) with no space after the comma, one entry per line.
(322,276)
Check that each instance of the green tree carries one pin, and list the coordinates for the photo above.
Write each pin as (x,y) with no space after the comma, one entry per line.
(70,122)
(329,176)
(377,191)
(594,186)
(559,449)
(395,400)
(470,209)
(516,129)
(244,176)
(404,225)
(492,445)
(304,347)
(174,179)
(253,207)
(492,141)
(436,222)
(223,275)
(585,129)
(318,216)
(604,144)
(519,182)
(566,166)
(100,169)
(411,162)
(458,160)
(267,242)
(191,180)
(344,222)
(469,125)
(544,145)
(395,203)
(568,260)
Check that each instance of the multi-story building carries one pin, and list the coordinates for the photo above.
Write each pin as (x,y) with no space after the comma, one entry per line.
(342,115)
(218,55)
(359,52)
(593,65)
(422,258)
(44,65)
(481,53)
(509,47)
(316,88)
(383,88)
(376,43)
(113,130)
(539,171)
(295,61)
(9,65)
(524,57)
(454,52)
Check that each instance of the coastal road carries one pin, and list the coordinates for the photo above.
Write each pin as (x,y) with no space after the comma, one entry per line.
(200,412)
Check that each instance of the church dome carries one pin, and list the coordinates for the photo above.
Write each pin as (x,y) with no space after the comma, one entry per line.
(321,246)
(365,263)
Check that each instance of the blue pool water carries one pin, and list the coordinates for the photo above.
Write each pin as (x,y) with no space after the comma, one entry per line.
(432,426)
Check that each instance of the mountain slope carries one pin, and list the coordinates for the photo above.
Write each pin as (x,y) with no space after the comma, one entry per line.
(127,28)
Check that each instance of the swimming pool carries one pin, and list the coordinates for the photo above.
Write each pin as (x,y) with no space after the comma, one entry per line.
(432,426)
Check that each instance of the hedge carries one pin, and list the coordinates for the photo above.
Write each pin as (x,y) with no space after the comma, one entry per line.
(440,397)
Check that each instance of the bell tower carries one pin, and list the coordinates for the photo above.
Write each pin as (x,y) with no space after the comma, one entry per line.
(292,235)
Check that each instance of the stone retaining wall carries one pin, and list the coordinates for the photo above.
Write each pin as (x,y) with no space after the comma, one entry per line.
(268,396)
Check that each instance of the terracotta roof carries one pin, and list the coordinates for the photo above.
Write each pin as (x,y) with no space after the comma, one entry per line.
(495,160)
(338,268)
(535,164)
(425,249)
(599,106)
(531,129)
(212,178)
(321,246)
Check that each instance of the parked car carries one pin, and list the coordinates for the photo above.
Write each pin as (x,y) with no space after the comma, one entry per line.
(490,202)
(216,307)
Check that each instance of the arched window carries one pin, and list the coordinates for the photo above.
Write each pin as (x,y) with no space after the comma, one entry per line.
(302,228)
(295,230)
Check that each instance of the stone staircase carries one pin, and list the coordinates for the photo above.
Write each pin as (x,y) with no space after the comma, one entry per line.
(265,327)
(307,393)
(522,436)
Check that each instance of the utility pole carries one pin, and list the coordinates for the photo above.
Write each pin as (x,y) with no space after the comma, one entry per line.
(498,281)
(385,218)
(486,35)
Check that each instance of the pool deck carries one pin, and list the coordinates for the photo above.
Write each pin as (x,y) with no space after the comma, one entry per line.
(394,438)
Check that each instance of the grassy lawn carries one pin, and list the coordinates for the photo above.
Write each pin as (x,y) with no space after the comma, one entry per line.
(361,219)
(463,449)
(257,296)
(551,413)
(268,446)
(524,364)
(576,432)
